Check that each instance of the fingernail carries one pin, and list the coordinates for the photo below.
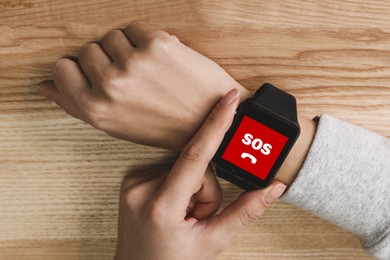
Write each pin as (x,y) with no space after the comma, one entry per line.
(275,193)
(229,97)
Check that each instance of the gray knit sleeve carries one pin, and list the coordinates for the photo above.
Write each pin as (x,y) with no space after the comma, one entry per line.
(345,179)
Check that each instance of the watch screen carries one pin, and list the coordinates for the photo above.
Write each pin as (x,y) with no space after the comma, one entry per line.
(254,147)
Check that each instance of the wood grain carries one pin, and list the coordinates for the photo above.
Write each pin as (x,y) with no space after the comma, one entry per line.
(60,178)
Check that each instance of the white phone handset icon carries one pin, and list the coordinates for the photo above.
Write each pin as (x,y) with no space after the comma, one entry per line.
(247,155)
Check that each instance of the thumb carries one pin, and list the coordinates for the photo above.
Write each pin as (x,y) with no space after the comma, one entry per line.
(242,212)
(49,90)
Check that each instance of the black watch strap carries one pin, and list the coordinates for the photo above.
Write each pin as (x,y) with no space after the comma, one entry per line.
(277,100)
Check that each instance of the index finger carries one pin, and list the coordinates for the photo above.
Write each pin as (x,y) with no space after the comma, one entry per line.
(140,33)
(185,177)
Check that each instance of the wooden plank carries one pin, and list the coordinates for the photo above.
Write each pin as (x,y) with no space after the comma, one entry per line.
(60,177)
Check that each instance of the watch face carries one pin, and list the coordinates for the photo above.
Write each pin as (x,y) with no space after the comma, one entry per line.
(255,146)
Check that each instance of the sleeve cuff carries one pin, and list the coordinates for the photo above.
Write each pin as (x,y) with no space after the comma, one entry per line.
(345,179)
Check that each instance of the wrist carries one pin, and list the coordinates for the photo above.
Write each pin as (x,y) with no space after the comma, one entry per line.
(294,161)
(289,144)
(197,116)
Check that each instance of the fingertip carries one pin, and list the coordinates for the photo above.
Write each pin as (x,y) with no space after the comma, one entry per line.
(229,97)
(45,85)
(48,89)
(274,192)
(222,114)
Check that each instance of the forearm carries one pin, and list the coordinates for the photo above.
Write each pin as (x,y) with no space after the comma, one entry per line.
(297,155)
(345,179)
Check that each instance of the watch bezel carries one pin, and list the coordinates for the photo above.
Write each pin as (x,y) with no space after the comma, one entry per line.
(269,118)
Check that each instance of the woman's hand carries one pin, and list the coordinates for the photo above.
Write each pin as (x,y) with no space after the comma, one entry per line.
(141,85)
(154,221)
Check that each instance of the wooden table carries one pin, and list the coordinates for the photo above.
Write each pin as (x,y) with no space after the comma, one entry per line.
(59,177)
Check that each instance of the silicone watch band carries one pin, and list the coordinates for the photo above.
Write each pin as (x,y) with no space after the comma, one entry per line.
(276,100)
(279,103)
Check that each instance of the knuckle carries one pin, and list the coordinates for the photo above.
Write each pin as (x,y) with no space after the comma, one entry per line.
(86,49)
(131,196)
(127,183)
(60,66)
(248,216)
(110,81)
(219,242)
(107,76)
(132,62)
(174,38)
(112,35)
(156,212)
(134,24)
(93,113)
(161,41)
(214,117)
(157,35)
(220,246)
(218,116)
(192,151)
(252,212)
(96,115)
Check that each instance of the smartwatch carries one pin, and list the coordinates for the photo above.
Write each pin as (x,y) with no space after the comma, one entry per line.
(264,129)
